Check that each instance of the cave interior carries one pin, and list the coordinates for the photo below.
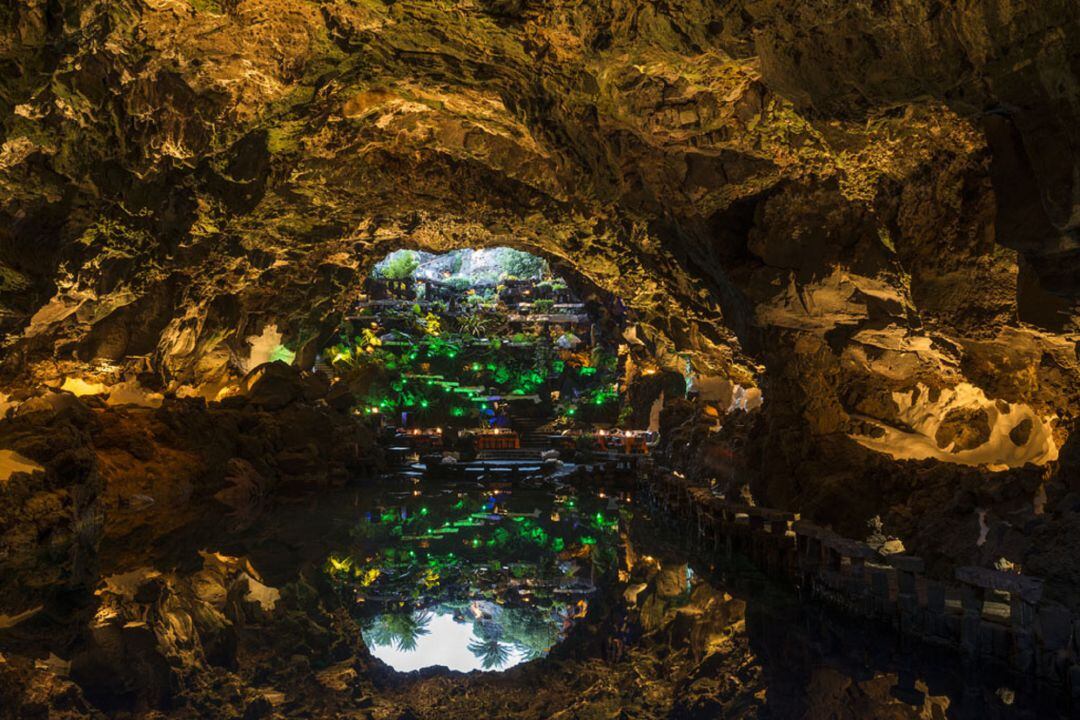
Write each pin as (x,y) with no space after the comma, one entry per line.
(409,359)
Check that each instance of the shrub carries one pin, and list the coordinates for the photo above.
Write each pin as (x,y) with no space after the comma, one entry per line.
(522,264)
(400,266)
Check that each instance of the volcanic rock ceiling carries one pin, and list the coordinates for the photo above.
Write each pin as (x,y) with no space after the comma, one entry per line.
(869,208)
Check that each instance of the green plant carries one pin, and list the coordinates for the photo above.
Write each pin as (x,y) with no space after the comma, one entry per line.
(542,307)
(368,338)
(400,266)
(432,324)
(456,262)
(522,264)
(474,324)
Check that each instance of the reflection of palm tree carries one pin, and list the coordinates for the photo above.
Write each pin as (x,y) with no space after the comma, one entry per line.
(492,653)
(401,629)
(531,630)
(488,646)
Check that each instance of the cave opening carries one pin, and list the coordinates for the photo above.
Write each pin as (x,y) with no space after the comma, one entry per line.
(487,339)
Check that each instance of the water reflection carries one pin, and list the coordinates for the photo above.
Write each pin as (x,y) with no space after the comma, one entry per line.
(422,638)
(472,578)
(482,579)
(478,635)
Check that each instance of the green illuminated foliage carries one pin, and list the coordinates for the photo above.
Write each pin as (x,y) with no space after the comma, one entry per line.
(399,265)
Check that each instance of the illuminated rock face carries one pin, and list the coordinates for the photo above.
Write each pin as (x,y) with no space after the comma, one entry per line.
(961,425)
(837,203)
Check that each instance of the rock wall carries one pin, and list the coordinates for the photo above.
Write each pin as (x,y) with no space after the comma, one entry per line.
(130,475)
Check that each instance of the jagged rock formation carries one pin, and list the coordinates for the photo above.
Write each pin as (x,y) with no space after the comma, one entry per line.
(860,207)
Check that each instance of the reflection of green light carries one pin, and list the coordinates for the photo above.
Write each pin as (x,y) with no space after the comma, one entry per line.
(587,540)
(423,511)
(572,411)
(424,403)
(476,367)
(458,412)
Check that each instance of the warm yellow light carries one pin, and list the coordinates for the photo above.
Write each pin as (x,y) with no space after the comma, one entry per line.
(80,387)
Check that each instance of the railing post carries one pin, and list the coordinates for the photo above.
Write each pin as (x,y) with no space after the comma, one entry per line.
(971,600)
(907,598)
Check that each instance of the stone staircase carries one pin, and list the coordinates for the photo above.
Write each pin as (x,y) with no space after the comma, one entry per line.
(528,432)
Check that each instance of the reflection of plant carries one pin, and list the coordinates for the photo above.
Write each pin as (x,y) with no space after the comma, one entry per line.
(488,646)
(530,631)
(493,654)
(402,629)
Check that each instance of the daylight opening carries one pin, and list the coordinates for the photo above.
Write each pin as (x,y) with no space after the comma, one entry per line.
(489,346)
